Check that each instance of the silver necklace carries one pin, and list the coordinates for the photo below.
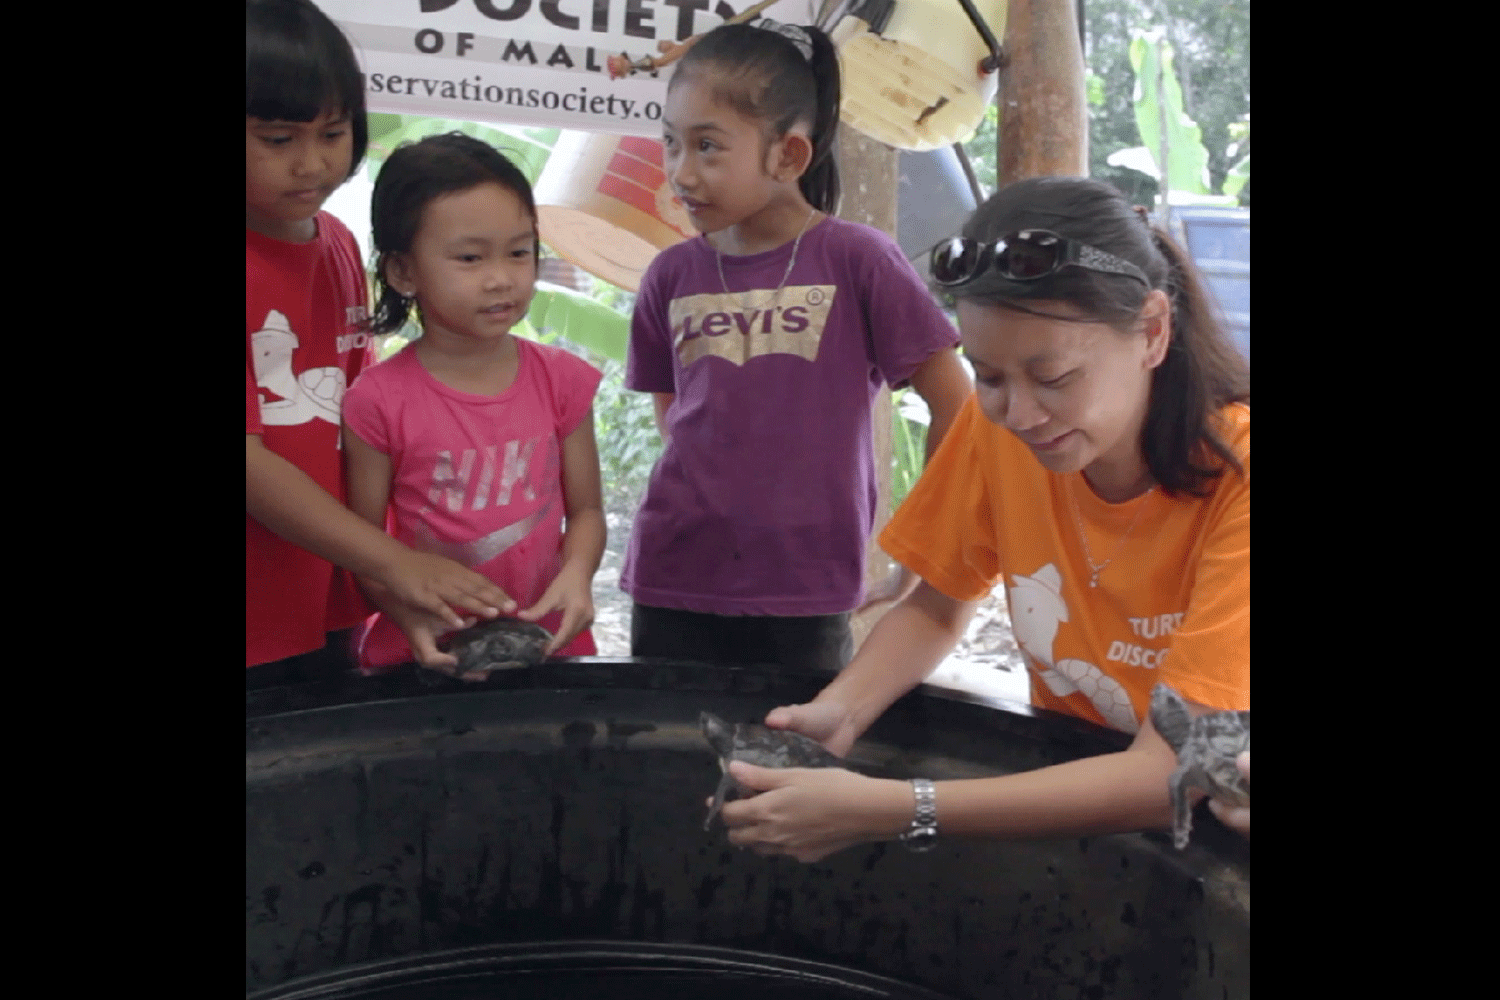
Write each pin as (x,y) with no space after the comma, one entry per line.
(719,259)
(1096,568)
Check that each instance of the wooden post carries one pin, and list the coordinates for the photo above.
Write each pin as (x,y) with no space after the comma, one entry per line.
(869,172)
(1044,120)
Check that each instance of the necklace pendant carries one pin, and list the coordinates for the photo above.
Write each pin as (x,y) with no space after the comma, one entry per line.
(1094,580)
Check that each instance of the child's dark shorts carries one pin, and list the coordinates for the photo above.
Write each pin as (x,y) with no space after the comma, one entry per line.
(818,642)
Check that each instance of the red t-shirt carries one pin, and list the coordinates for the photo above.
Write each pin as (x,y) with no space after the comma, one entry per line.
(305,306)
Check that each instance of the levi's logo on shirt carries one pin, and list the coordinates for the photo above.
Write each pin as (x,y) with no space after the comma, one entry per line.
(741,326)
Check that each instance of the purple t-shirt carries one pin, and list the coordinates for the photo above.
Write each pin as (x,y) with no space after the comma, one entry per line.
(764,498)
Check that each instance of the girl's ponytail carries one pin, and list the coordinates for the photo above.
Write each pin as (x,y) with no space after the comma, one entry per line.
(820,183)
(392,309)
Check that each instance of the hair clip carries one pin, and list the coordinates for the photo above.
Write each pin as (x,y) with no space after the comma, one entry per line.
(791,33)
(622,65)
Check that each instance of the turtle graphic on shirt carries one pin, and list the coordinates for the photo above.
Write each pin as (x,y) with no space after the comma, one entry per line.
(316,394)
(1036,610)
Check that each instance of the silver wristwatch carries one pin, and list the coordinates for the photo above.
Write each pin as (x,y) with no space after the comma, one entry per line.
(923,833)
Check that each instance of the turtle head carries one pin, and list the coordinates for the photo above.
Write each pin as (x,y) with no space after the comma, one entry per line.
(1170,716)
(720,735)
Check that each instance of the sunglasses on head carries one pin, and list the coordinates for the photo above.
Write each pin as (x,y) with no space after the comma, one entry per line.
(1027,255)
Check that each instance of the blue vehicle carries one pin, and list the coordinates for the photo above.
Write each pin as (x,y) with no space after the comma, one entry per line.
(1219,241)
(934,198)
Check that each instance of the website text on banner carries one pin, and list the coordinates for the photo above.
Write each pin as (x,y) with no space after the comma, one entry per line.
(526,62)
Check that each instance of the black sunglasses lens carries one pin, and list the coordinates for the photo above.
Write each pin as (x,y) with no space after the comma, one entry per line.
(954,260)
(1027,261)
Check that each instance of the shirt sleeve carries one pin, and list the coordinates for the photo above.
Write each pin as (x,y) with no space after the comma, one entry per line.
(361,357)
(1208,660)
(943,531)
(906,326)
(649,367)
(364,411)
(576,382)
(252,400)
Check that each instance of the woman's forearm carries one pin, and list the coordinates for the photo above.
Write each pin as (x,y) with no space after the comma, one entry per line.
(1111,793)
(905,646)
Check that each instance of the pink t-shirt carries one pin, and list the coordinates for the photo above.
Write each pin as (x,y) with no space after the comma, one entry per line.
(476,478)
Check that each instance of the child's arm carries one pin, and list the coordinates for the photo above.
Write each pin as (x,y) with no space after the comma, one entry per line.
(287,500)
(583,541)
(369,476)
(662,401)
(944,385)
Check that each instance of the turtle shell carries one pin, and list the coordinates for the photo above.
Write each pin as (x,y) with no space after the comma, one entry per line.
(499,644)
(758,745)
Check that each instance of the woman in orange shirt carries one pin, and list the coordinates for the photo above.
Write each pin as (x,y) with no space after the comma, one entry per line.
(1102,471)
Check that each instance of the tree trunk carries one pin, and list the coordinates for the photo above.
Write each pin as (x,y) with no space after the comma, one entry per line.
(869,173)
(1044,120)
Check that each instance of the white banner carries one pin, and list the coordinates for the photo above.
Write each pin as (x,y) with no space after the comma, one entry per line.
(526,62)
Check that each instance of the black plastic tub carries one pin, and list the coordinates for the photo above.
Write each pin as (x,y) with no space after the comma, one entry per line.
(541,835)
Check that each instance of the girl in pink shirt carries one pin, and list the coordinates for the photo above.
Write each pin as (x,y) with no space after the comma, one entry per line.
(479,444)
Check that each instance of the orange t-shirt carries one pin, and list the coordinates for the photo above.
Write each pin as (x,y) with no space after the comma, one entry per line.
(1172,604)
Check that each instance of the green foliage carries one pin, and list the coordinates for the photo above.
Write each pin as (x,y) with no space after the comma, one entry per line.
(528,148)
(981,148)
(1211,45)
(1237,181)
(1187,159)
(629,443)
(909,420)
(1094,86)
(1238,178)
(580,319)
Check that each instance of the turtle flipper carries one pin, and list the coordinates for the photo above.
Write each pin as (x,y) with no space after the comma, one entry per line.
(719,794)
(1182,815)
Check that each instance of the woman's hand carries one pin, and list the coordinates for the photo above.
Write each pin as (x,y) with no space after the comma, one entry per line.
(810,813)
(1237,818)
(826,722)
(573,593)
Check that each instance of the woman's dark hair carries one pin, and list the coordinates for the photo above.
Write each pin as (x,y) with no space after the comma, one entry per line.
(762,75)
(1202,370)
(413,176)
(298,64)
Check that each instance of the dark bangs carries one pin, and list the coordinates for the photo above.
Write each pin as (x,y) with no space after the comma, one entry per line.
(298,64)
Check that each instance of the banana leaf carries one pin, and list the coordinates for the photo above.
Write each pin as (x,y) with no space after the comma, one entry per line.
(528,148)
(1187,167)
(561,312)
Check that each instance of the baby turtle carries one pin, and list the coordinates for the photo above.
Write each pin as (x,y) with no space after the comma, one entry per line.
(758,745)
(499,644)
(1206,750)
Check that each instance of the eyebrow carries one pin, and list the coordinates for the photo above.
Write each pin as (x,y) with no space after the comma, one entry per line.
(282,123)
(526,235)
(1028,363)
(700,127)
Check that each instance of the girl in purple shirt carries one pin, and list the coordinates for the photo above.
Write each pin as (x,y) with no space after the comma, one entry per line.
(764,342)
